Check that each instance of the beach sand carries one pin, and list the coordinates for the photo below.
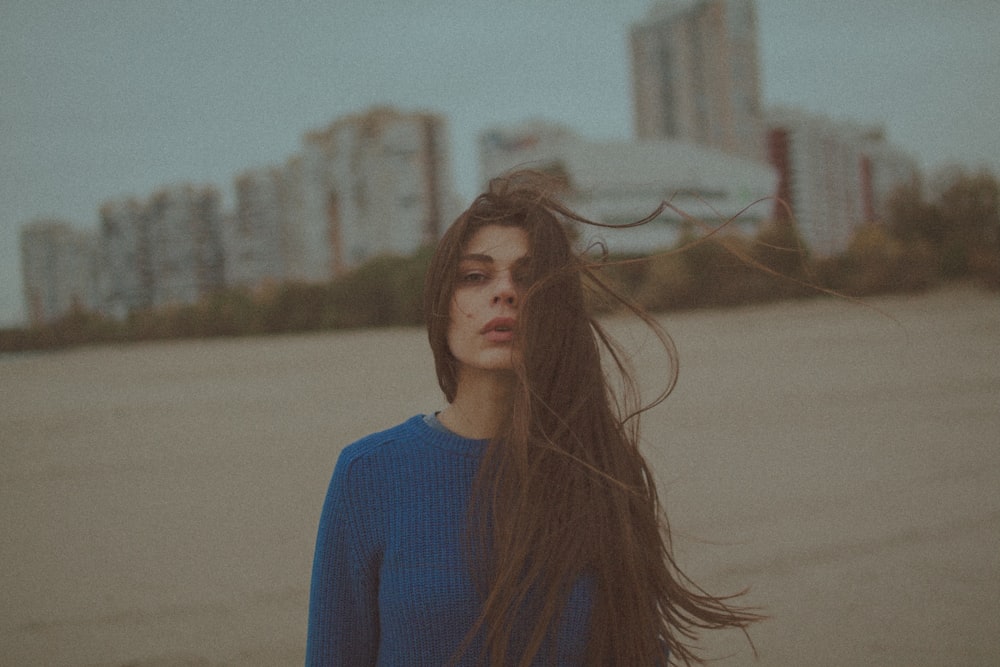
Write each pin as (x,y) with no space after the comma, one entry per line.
(159,501)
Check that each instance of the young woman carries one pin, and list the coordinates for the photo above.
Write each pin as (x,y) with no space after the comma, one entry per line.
(521,524)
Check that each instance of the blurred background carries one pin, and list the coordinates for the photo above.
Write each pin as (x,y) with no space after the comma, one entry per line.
(202,171)
(158,153)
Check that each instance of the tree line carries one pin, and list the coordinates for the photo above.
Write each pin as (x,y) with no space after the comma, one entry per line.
(953,234)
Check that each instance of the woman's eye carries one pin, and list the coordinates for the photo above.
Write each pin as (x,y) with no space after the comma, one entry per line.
(473,277)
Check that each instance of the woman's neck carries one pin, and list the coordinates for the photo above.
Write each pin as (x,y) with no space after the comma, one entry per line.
(480,404)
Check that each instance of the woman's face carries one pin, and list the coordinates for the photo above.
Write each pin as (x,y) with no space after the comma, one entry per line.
(484,307)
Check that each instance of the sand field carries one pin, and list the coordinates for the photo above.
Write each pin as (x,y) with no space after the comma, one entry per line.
(159,501)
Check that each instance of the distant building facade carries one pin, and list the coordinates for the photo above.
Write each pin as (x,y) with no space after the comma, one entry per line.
(126,278)
(164,250)
(59,270)
(833,175)
(255,237)
(187,255)
(620,182)
(308,186)
(373,183)
(696,77)
(390,184)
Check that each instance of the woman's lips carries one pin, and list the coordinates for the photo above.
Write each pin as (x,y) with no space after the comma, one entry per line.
(499,330)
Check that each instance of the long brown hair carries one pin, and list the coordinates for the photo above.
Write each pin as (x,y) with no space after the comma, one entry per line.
(563,491)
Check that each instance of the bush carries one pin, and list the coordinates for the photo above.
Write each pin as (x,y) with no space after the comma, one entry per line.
(295,306)
(669,284)
(385,291)
(960,227)
(876,261)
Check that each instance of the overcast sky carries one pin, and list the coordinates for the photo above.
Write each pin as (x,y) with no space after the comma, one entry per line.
(103,98)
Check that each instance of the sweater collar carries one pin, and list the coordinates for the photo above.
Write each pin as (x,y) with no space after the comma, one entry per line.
(435,433)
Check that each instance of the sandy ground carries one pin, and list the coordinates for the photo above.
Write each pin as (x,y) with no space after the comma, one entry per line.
(159,502)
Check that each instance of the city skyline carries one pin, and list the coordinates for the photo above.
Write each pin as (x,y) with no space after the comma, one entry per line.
(696,75)
(114,100)
(369,184)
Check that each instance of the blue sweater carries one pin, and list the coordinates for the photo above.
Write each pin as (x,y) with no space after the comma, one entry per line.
(390,585)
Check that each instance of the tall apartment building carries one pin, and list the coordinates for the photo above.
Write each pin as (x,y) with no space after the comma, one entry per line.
(164,250)
(390,184)
(126,277)
(186,238)
(255,239)
(308,185)
(373,183)
(59,270)
(833,175)
(696,77)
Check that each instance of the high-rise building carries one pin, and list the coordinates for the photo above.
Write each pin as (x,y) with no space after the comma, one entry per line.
(308,249)
(126,275)
(372,183)
(695,75)
(391,183)
(834,176)
(165,250)
(187,256)
(59,270)
(255,235)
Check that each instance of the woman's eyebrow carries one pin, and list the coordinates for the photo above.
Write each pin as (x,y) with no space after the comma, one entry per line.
(476,257)
(487,259)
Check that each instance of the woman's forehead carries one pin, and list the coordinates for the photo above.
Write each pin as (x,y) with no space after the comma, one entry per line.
(496,243)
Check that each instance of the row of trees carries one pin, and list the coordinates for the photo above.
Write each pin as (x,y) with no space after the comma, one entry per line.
(383,292)
(952,234)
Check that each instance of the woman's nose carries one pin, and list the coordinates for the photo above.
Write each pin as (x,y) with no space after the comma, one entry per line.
(506,291)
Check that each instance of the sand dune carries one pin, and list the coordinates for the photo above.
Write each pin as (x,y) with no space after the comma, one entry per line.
(159,502)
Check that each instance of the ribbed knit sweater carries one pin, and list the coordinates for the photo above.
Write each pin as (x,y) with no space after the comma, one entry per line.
(390,585)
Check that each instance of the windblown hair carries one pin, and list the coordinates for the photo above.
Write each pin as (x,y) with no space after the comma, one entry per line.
(563,491)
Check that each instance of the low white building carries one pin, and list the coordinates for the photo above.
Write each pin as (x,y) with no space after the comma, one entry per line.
(618,182)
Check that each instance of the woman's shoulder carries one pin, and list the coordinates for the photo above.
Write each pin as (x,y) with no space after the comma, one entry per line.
(404,459)
(368,464)
(415,442)
(382,442)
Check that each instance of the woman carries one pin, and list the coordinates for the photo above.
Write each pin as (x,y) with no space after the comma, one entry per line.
(521,524)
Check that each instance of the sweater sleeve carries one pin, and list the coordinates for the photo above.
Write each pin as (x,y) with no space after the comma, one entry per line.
(343,596)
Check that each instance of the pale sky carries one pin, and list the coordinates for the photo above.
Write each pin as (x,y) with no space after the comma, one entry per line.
(102,99)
